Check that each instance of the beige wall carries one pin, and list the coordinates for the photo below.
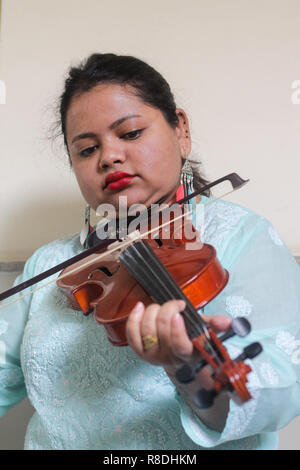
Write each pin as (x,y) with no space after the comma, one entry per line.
(231,64)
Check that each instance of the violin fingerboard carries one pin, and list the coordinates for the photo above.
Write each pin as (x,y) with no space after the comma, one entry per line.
(145,266)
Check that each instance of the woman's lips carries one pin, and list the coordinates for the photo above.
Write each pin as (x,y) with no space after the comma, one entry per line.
(120,183)
(118,180)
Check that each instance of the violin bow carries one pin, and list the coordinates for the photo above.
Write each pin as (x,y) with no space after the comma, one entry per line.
(236,181)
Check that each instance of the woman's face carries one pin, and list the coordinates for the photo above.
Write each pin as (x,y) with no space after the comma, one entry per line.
(110,131)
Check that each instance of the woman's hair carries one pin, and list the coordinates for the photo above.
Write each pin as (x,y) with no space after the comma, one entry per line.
(149,85)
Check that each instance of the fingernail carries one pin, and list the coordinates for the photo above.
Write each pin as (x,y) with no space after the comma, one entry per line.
(138,309)
(176,320)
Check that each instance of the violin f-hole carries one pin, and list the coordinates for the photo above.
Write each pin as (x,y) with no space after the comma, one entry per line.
(105,270)
(158,241)
(87,293)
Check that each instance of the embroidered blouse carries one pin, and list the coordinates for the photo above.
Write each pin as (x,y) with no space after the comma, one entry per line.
(88,394)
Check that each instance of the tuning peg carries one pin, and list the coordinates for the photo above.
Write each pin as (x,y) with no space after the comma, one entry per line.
(205,398)
(250,352)
(188,372)
(240,326)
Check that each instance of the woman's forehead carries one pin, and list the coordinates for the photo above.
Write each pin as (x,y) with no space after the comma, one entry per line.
(108,103)
(107,94)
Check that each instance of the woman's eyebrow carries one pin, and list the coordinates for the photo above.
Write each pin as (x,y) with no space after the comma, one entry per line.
(115,124)
(119,121)
(85,135)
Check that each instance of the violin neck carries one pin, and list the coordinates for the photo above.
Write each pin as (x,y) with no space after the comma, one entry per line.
(150,273)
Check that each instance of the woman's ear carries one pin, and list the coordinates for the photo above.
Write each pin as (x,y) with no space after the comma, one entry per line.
(183,133)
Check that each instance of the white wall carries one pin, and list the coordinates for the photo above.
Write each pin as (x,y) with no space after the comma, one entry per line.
(230,63)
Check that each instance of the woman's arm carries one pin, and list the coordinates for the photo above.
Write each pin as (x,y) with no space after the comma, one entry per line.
(13,319)
(214,417)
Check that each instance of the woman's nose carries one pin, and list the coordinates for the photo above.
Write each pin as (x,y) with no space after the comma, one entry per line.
(110,155)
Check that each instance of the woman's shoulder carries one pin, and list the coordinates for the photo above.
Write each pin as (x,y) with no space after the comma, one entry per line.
(232,229)
(219,220)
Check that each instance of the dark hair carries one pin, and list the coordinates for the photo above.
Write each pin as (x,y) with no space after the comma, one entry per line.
(149,84)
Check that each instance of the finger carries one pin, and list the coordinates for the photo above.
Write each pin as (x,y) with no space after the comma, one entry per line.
(182,346)
(218,323)
(148,329)
(163,321)
(133,327)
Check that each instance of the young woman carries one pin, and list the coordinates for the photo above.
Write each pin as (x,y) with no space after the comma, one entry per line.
(125,137)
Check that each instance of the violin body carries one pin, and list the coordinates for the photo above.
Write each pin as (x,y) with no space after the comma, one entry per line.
(111,292)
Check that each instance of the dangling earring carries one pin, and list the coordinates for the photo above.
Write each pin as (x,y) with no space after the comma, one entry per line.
(187,178)
(86,228)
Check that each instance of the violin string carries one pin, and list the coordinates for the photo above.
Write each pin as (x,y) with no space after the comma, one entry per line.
(112,250)
(139,265)
(143,276)
(164,279)
(165,289)
(191,314)
(166,286)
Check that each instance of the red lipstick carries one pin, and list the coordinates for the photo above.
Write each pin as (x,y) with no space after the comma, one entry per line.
(118,180)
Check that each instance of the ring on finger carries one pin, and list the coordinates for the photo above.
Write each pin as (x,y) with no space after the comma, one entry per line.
(149,341)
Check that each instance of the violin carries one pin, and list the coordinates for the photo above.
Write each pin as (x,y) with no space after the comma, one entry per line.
(111,281)
(158,269)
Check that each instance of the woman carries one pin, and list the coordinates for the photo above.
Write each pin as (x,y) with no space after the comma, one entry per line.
(125,137)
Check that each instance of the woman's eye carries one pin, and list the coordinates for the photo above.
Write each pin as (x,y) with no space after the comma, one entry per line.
(133,134)
(88,151)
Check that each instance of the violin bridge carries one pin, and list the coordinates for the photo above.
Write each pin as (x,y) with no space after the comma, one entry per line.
(120,245)
(114,249)
(136,234)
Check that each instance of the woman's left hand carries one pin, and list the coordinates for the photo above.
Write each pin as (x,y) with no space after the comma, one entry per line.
(158,335)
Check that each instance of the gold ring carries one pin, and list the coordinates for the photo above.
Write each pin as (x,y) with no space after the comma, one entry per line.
(149,341)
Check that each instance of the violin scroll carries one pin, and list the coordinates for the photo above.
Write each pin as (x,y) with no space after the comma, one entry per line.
(205,398)
(228,375)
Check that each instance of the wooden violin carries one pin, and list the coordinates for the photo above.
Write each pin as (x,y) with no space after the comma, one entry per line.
(158,269)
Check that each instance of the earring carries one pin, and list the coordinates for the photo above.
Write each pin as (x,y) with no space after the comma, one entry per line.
(187,178)
(86,228)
